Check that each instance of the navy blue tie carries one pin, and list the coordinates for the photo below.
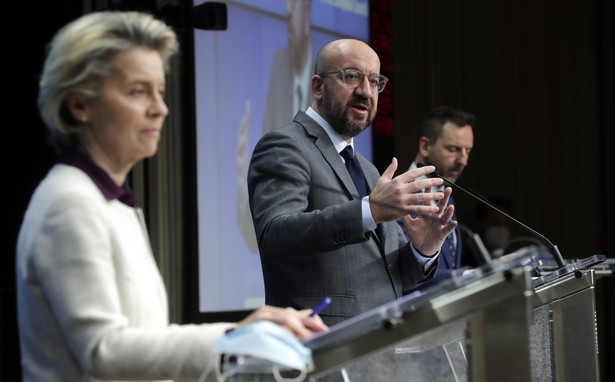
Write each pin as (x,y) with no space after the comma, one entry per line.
(355,171)
(449,248)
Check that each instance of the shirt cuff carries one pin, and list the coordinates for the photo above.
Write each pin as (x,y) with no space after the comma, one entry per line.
(369,225)
(368,220)
(426,262)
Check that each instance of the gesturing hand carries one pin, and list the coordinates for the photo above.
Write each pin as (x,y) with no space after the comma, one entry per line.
(393,198)
(427,231)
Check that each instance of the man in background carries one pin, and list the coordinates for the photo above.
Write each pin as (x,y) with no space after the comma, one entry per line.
(446,140)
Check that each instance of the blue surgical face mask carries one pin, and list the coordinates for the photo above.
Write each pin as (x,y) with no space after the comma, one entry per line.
(262,347)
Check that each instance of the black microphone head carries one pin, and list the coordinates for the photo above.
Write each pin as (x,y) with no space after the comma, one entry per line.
(434,174)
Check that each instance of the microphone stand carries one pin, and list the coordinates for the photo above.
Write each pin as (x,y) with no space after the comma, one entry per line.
(556,253)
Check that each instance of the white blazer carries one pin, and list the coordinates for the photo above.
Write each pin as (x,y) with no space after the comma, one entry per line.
(91,301)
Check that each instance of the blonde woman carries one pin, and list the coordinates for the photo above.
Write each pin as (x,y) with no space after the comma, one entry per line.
(91,302)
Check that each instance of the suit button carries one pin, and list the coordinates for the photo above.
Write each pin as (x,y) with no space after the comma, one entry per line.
(338,240)
(390,266)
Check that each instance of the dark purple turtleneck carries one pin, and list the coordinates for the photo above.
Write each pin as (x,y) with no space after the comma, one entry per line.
(104,182)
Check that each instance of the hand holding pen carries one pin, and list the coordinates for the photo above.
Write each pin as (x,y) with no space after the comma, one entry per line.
(301,324)
(321,306)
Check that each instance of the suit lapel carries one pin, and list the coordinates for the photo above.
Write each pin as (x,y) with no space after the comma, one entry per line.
(370,172)
(326,148)
(372,176)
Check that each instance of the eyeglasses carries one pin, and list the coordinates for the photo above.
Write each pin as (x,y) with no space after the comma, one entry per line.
(353,77)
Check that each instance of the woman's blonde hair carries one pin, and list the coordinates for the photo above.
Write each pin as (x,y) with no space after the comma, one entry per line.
(81,56)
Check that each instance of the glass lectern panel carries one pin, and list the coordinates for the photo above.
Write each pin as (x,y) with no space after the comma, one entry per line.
(450,332)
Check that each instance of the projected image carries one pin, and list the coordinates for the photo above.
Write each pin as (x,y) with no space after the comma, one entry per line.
(250,79)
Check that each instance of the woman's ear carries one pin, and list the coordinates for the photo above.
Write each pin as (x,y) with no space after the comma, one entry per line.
(77,107)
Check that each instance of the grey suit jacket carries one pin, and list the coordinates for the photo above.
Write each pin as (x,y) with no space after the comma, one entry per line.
(307,217)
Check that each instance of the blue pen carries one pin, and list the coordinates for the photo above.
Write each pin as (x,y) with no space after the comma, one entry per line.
(320,306)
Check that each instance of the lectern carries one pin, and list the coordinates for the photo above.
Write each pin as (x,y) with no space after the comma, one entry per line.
(499,322)
(564,331)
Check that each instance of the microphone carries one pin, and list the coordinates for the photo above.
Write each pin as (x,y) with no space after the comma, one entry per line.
(556,253)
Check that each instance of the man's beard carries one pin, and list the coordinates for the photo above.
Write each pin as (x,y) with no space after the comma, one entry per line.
(453,177)
(442,171)
(339,120)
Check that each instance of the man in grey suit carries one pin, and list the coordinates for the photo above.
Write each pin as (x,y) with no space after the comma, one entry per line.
(317,236)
